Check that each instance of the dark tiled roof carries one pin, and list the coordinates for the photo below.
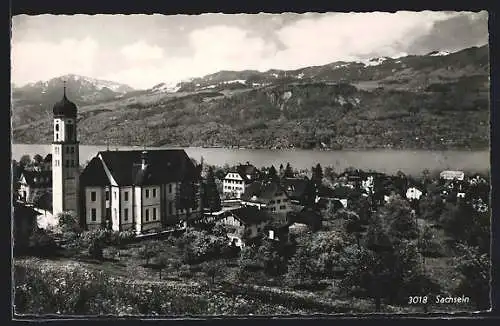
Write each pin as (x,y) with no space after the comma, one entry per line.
(296,188)
(264,191)
(48,158)
(245,170)
(163,166)
(94,174)
(38,179)
(338,192)
(251,215)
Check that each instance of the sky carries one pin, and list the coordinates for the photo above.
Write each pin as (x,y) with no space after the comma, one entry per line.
(144,50)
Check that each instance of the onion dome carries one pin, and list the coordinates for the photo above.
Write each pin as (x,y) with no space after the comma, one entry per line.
(65,108)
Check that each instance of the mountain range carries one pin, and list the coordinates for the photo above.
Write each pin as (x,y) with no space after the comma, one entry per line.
(434,101)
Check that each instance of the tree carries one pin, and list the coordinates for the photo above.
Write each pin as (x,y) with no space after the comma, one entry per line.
(149,251)
(214,269)
(288,171)
(211,198)
(25,161)
(95,249)
(353,225)
(317,174)
(398,220)
(68,223)
(475,269)
(160,263)
(329,173)
(428,244)
(272,174)
(37,159)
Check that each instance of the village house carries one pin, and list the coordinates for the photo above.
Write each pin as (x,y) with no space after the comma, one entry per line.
(33,185)
(338,197)
(452,175)
(245,223)
(143,191)
(238,179)
(268,195)
(300,191)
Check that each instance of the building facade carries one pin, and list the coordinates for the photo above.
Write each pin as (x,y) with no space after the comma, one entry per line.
(143,191)
(65,158)
(238,179)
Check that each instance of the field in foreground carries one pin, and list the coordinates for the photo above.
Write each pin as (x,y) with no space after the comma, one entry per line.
(128,286)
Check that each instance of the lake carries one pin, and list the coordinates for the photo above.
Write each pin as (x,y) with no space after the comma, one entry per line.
(381,160)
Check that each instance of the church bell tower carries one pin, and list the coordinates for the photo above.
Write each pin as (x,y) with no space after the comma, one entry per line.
(65,157)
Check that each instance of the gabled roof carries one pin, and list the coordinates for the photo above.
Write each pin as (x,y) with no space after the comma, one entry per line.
(250,215)
(162,166)
(261,191)
(247,172)
(38,179)
(94,174)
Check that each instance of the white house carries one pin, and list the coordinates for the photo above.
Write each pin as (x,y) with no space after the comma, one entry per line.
(238,179)
(452,175)
(413,193)
(141,191)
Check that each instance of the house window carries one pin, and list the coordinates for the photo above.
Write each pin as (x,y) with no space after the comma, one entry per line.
(73,163)
(125,196)
(67,150)
(107,194)
(278,201)
(170,188)
(170,208)
(57,127)
(147,214)
(57,137)
(283,207)
(57,150)
(125,214)
(114,195)
(115,212)
(72,150)
(154,193)
(154,214)
(93,215)
(67,163)
(93,196)
(147,193)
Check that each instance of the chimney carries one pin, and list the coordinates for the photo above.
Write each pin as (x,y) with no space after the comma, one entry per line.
(144,160)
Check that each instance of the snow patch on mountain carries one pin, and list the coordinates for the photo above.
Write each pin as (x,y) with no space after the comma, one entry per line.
(165,88)
(375,61)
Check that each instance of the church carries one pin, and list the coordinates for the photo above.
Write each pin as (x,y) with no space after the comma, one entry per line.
(142,191)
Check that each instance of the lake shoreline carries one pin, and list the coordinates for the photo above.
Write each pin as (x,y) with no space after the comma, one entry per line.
(381,160)
(347,149)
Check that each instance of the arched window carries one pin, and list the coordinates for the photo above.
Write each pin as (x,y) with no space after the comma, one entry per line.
(57,127)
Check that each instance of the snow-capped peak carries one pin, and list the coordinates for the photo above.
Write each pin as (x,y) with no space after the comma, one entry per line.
(99,83)
(168,87)
(375,61)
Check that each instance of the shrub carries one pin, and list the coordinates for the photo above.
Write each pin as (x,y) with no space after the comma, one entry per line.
(42,244)
(95,249)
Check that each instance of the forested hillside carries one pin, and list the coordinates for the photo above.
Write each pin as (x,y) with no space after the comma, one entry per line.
(416,102)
